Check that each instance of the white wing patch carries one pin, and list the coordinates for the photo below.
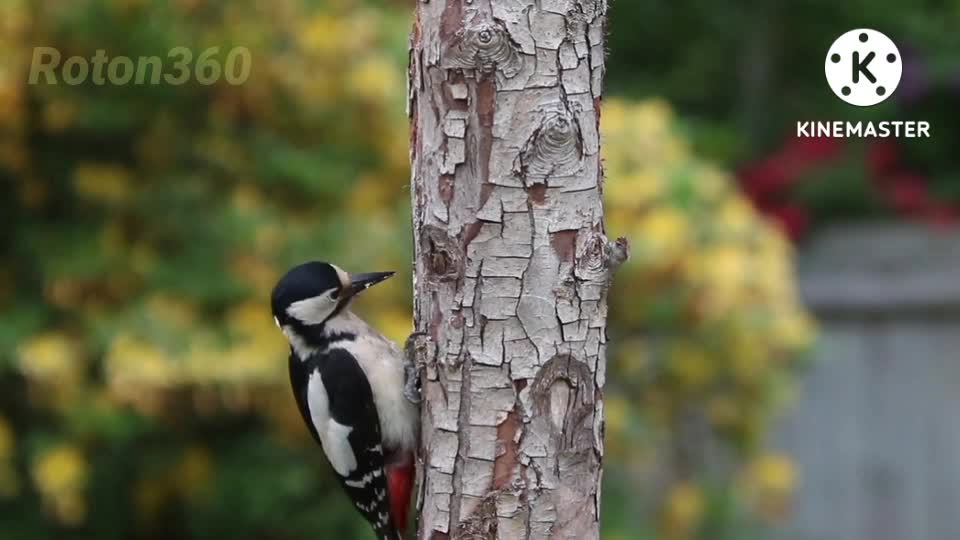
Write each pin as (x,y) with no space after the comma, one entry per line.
(333,434)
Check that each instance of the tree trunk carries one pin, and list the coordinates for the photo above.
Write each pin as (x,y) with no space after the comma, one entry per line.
(512,265)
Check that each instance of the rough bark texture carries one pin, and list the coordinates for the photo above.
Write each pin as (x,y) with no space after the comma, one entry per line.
(512,265)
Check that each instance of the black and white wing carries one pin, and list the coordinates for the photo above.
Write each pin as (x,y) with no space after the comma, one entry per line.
(334,397)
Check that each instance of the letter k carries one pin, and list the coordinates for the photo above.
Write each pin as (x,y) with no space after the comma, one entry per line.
(862,67)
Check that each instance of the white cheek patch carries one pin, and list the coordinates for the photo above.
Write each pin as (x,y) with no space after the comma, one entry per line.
(313,310)
(333,434)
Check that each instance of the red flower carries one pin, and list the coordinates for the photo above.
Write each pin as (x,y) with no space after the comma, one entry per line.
(793,220)
(768,183)
(940,214)
(882,158)
(766,178)
(907,193)
(783,169)
(813,149)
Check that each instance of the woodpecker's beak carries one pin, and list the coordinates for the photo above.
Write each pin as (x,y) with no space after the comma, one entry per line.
(361,282)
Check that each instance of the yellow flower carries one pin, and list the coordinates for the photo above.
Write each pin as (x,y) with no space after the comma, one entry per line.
(105,183)
(394,146)
(133,361)
(701,251)
(683,510)
(736,216)
(654,115)
(619,220)
(750,359)
(635,191)
(673,150)
(374,79)
(719,270)
(51,357)
(690,364)
(663,233)
(61,475)
(369,193)
(774,473)
(712,184)
(616,411)
(614,117)
(250,318)
(770,482)
(204,360)
(324,34)
(170,310)
(793,332)
(250,357)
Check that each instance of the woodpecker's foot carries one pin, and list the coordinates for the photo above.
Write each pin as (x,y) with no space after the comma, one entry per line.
(412,367)
(411,389)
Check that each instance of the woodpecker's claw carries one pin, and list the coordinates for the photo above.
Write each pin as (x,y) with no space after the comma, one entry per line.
(411,389)
(412,367)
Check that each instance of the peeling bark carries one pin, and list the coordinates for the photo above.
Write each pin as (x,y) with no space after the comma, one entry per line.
(512,265)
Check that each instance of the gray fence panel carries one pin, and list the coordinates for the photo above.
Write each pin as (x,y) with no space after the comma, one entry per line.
(876,430)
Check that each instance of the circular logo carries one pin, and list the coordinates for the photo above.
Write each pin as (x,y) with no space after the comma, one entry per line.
(863,67)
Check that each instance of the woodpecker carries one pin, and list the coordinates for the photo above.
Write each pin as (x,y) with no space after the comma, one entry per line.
(354,389)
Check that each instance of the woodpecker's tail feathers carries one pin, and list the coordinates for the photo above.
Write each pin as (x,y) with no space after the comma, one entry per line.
(387,532)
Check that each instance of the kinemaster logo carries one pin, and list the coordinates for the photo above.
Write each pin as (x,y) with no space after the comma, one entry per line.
(863,68)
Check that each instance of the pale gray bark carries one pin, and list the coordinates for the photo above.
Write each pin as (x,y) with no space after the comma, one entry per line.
(512,265)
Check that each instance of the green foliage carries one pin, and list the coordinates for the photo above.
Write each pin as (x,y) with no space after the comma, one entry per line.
(148,225)
(706,330)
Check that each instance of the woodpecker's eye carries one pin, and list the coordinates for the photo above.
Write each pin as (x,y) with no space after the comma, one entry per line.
(333,294)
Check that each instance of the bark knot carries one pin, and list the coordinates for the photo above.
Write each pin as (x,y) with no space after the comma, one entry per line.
(484,46)
(555,149)
(441,255)
(563,395)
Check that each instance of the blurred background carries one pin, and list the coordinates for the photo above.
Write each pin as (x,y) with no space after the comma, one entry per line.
(143,388)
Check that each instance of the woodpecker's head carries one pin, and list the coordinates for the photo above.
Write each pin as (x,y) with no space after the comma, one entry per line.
(310,294)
